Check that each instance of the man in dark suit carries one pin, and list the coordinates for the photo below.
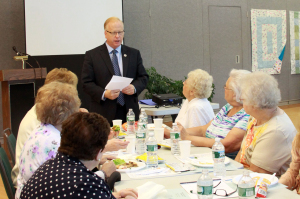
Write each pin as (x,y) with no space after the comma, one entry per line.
(109,59)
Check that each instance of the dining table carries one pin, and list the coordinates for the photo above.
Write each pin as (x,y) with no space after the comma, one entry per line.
(172,180)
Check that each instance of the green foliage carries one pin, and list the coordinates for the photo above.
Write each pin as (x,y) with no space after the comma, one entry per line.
(212,93)
(159,84)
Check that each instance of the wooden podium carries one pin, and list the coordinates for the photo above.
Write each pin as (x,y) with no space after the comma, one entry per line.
(15,77)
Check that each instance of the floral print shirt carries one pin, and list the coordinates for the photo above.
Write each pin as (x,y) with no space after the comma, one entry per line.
(41,146)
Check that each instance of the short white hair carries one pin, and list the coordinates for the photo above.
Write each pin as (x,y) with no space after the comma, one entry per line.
(201,82)
(236,76)
(260,90)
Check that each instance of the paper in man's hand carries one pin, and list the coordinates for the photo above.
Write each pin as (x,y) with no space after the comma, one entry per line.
(118,82)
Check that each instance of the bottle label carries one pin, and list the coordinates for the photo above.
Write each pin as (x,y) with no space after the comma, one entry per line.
(143,126)
(204,190)
(175,135)
(152,147)
(246,192)
(130,118)
(140,135)
(218,154)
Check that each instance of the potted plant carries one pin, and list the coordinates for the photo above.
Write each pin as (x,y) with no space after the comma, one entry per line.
(159,84)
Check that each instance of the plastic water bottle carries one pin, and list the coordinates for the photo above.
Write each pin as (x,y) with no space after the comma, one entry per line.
(143,118)
(151,143)
(205,186)
(140,147)
(175,138)
(246,187)
(130,121)
(218,155)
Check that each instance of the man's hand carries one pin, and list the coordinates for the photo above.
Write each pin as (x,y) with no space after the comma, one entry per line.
(115,145)
(128,90)
(106,157)
(83,110)
(108,167)
(112,94)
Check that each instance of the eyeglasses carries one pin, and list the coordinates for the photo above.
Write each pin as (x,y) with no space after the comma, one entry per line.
(121,33)
(226,88)
(223,192)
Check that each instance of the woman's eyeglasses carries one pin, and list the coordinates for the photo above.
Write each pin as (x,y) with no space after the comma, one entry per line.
(222,192)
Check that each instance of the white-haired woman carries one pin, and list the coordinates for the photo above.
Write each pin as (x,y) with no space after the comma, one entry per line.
(196,109)
(266,147)
(229,124)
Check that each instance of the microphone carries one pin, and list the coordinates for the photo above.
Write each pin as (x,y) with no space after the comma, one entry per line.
(15,49)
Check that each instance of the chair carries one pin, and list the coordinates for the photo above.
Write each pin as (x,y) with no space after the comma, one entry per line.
(5,170)
(114,177)
(11,141)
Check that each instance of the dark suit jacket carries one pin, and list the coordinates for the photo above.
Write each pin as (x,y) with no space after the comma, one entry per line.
(97,71)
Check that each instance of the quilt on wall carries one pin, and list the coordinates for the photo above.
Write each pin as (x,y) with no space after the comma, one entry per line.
(294,41)
(268,28)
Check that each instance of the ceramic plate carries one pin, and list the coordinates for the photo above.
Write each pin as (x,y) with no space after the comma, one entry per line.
(262,175)
(140,166)
(204,160)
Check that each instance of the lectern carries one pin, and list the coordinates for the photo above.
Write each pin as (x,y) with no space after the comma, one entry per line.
(12,81)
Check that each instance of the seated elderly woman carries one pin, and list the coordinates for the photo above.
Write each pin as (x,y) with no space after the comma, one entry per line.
(291,177)
(68,175)
(266,147)
(196,110)
(30,121)
(54,103)
(229,124)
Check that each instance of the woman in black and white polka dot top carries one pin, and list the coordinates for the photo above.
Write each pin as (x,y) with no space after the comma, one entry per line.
(69,175)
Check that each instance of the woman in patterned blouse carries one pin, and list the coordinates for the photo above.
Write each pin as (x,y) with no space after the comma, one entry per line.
(229,124)
(54,103)
(69,175)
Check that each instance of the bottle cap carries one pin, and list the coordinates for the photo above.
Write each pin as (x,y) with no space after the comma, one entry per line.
(204,170)
(151,133)
(130,109)
(217,139)
(246,173)
(142,109)
(174,124)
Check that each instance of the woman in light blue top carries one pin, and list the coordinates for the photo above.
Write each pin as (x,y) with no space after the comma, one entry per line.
(229,124)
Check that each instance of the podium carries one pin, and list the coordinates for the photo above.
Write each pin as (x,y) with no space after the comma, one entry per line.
(17,85)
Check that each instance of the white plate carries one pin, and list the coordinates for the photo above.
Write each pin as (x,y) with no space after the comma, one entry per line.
(165,143)
(204,160)
(140,166)
(262,175)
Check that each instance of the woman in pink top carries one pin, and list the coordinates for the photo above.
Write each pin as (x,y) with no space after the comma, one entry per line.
(292,176)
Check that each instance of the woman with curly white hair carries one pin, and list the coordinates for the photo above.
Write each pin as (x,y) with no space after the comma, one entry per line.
(196,109)
(266,147)
(229,124)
